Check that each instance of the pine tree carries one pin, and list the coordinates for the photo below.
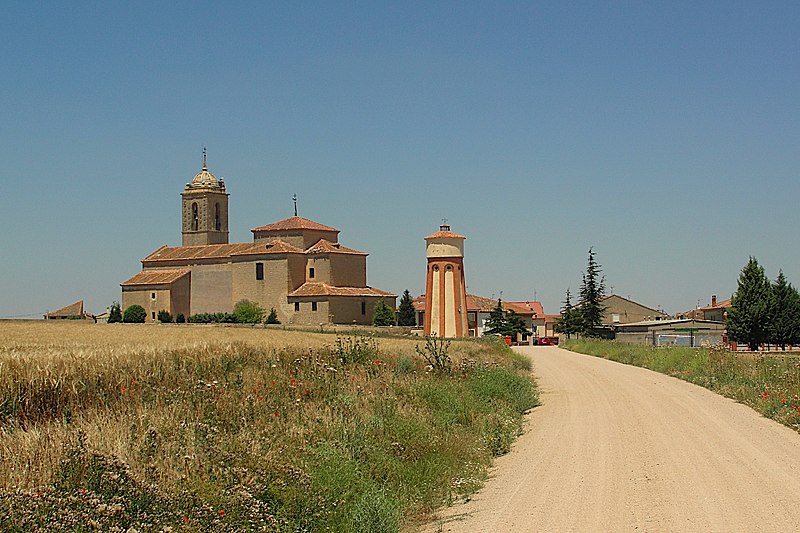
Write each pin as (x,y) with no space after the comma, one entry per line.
(272,318)
(785,313)
(496,323)
(749,314)
(406,316)
(383,314)
(515,324)
(571,318)
(592,292)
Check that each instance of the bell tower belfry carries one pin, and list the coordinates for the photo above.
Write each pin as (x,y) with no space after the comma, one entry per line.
(204,209)
(445,287)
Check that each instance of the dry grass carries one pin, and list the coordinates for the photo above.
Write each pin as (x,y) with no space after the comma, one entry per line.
(208,427)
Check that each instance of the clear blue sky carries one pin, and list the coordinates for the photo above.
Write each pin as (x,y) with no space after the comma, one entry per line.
(666,135)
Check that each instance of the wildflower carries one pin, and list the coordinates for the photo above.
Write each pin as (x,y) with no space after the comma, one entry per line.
(122,389)
(222,513)
(306,391)
(275,413)
(765,395)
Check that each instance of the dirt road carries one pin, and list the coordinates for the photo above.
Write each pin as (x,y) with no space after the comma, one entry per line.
(619,448)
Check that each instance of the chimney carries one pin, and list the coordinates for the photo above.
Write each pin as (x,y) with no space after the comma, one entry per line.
(713,300)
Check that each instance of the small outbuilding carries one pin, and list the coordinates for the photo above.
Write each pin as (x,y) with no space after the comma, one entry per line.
(678,332)
(73,312)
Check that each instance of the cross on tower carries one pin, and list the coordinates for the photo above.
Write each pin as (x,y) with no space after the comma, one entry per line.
(294,198)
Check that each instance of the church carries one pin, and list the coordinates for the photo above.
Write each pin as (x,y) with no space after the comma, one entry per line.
(296,266)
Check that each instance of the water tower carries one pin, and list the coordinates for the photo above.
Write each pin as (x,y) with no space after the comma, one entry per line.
(445,288)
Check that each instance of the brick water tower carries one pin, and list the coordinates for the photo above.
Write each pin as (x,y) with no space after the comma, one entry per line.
(445,288)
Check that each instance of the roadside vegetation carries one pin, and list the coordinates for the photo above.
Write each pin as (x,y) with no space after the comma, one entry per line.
(767,382)
(159,427)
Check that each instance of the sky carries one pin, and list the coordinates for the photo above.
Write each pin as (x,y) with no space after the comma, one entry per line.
(664,135)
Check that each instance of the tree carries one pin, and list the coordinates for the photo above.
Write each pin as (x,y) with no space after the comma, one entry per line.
(134,314)
(592,292)
(272,318)
(247,312)
(749,314)
(164,316)
(515,324)
(180,319)
(785,313)
(115,313)
(497,323)
(571,320)
(383,314)
(406,316)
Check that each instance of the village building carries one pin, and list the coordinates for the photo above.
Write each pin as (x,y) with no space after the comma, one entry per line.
(73,311)
(621,310)
(479,308)
(295,266)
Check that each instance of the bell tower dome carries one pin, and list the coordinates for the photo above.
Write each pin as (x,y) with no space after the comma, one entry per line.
(445,286)
(204,209)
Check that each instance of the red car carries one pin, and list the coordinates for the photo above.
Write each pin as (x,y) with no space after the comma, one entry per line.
(544,341)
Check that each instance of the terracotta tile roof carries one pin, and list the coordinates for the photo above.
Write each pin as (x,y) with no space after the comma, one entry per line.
(724,304)
(445,235)
(294,223)
(75,309)
(531,307)
(323,289)
(219,251)
(275,246)
(325,246)
(156,277)
(477,303)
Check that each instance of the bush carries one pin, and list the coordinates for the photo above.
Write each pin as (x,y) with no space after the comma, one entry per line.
(164,316)
(383,315)
(115,313)
(213,318)
(135,314)
(247,312)
(272,318)
(180,319)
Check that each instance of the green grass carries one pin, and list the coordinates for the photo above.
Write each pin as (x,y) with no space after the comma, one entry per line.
(352,436)
(767,382)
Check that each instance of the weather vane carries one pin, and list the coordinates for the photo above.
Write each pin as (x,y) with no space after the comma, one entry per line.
(294,198)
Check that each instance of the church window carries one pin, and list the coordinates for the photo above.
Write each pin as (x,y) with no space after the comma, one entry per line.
(154,315)
(313,306)
(363,308)
(311,273)
(195,217)
(152,296)
(259,271)
(217,220)
(296,306)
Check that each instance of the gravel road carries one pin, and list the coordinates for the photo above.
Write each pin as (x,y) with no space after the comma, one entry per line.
(620,448)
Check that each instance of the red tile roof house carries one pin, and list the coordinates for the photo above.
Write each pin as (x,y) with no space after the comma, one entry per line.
(479,308)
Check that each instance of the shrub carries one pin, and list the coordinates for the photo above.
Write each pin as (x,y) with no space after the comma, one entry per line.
(272,318)
(164,316)
(212,318)
(247,312)
(134,314)
(180,319)
(435,353)
(383,315)
(115,313)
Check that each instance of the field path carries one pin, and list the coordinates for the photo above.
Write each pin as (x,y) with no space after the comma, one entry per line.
(620,448)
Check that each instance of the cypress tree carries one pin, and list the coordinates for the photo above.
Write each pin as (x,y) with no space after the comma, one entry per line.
(406,316)
(749,314)
(785,314)
(571,319)
(592,292)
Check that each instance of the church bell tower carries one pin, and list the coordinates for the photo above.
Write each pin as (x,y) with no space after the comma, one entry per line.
(445,287)
(204,209)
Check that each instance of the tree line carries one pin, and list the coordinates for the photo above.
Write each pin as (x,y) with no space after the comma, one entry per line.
(762,311)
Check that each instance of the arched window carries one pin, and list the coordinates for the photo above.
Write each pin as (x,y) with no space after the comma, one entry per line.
(217,221)
(195,217)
